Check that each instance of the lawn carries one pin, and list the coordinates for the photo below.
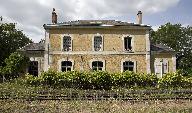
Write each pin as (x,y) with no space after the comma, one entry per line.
(85,106)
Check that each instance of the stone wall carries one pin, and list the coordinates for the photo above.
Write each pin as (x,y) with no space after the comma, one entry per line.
(112,62)
(113,39)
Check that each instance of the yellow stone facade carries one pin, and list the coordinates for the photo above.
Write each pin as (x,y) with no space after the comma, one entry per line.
(113,53)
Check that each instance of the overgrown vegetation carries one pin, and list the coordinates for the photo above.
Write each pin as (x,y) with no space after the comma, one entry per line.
(105,80)
(14,66)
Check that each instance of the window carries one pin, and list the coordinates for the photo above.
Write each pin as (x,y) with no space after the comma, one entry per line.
(67,43)
(66,66)
(97,43)
(127,43)
(97,65)
(33,68)
(161,66)
(128,65)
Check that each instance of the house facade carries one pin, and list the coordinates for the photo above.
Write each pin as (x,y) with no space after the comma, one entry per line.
(107,45)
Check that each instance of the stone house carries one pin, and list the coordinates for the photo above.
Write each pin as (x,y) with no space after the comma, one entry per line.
(107,45)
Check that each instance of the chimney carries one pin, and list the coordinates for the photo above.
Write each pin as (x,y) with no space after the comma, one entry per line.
(54,16)
(139,17)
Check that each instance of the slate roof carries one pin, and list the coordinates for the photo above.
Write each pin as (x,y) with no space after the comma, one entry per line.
(33,47)
(160,48)
(102,23)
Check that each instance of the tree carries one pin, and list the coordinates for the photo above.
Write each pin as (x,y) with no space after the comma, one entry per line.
(179,39)
(15,65)
(11,39)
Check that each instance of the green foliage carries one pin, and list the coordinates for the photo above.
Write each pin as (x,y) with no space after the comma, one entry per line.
(11,39)
(179,39)
(105,80)
(14,65)
(172,80)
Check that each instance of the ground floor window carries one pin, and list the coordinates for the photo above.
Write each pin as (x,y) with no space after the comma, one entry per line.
(66,66)
(97,65)
(33,68)
(128,65)
(161,66)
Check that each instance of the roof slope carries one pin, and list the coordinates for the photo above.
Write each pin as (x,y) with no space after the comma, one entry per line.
(160,48)
(103,23)
(33,47)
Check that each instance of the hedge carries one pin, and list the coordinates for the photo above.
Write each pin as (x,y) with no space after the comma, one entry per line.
(105,80)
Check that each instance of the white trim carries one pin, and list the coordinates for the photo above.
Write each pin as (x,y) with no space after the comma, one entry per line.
(147,41)
(47,42)
(62,36)
(102,46)
(148,61)
(132,42)
(99,53)
(174,63)
(98,59)
(64,59)
(128,59)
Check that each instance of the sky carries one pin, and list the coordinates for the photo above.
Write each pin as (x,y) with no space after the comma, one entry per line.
(30,15)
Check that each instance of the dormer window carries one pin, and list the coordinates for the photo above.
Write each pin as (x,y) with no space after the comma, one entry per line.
(67,43)
(98,43)
(127,43)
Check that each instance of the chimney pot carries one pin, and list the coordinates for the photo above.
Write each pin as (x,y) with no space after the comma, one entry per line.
(139,17)
(54,16)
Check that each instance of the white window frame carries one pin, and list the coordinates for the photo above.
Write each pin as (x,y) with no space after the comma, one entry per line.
(127,60)
(63,59)
(66,35)
(132,42)
(97,59)
(102,46)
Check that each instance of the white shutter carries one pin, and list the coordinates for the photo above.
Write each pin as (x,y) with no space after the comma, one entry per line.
(165,66)
(157,66)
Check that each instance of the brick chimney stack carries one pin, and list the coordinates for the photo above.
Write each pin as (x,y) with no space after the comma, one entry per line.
(54,16)
(139,17)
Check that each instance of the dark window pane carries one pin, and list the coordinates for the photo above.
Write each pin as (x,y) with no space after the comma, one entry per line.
(131,63)
(130,68)
(125,68)
(68,69)
(100,64)
(33,68)
(127,43)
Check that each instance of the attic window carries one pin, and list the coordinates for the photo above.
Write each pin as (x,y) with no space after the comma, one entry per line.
(67,43)
(127,43)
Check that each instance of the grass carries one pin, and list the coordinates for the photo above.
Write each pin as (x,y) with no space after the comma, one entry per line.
(79,106)
(18,88)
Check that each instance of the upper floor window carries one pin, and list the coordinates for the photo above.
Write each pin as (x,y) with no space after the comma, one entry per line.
(127,43)
(67,43)
(128,65)
(97,43)
(66,66)
(97,65)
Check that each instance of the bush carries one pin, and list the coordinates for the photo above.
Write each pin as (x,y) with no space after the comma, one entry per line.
(174,80)
(14,66)
(105,80)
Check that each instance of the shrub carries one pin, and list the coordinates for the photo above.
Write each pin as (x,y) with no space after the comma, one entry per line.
(14,65)
(171,80)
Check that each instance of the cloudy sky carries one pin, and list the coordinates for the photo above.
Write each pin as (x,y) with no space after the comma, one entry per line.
(30,15)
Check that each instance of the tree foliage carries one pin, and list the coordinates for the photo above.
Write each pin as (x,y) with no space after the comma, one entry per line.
(11,39)
(15,64)
(179,38)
